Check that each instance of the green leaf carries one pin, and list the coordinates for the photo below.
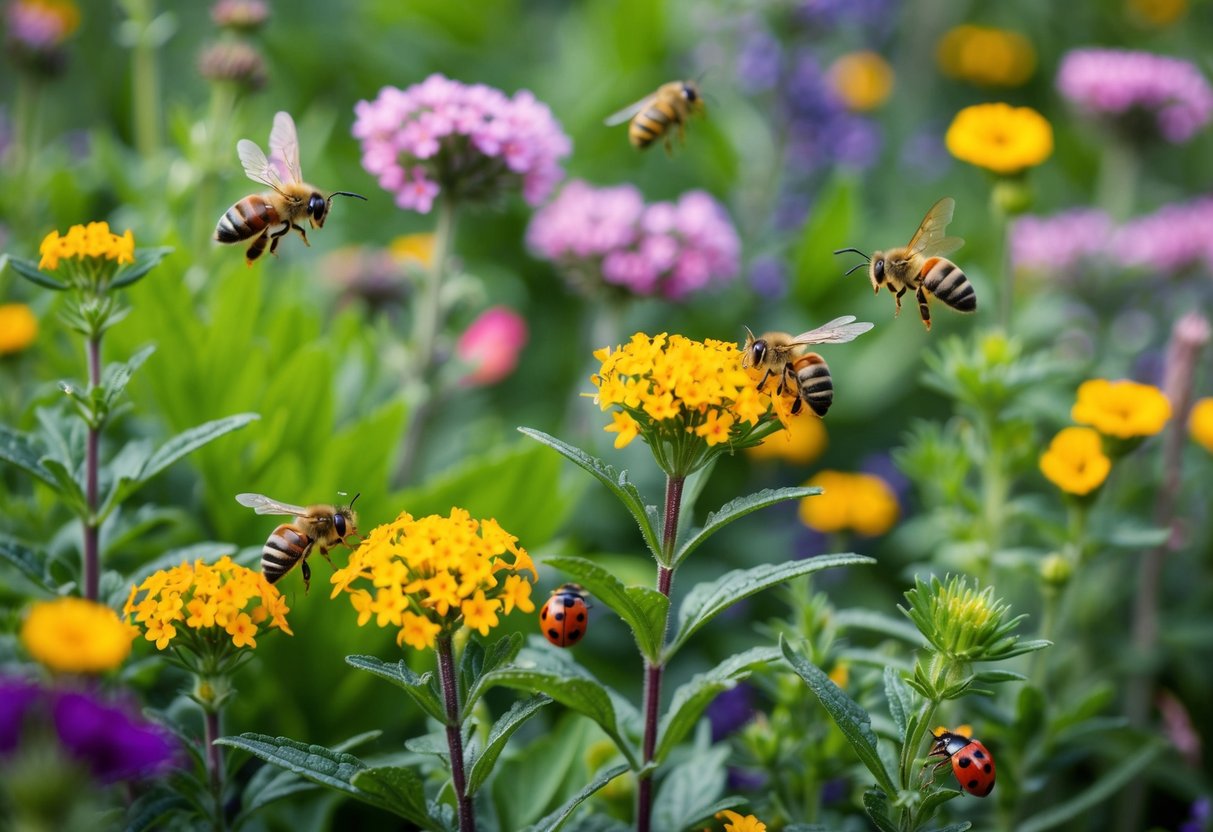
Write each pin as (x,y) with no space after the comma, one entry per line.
(192,439)
(19,449)
(398,789)
(499,655)
(398,673)
(691,698)
(145,260)
(570,684)
(736,509)
(118,375)
(270,784)
(153,810)
(480,767)
(877,622)
(1093,795)
(29,563)
(67,486)
(434,744)
(963,826)
(556,820)
(29,270)
(707,814)
(877,806)
(901,700)
(707,600)
(932,802)
(993,677)
(617,482)
(642,608)
(689,789)
(847,714)
(1025,647)
(815,269)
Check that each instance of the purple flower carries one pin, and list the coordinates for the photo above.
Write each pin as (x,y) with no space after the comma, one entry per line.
(769,277)
(759,61)
(16,697)
(1116,82)
(471,141)
(731,710)
(1061,243)
(671,249)
(114,745)
(1172,239)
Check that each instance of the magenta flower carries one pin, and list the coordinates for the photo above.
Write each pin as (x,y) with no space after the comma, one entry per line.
(490,346)
(1061,243)
(1117,83)
(469,141)
(609,237)
(1174,238)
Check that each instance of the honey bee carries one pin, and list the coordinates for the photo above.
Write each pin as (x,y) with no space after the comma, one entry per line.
(651,116)
(921,266)
(318,526)
(807,373)
(288,201)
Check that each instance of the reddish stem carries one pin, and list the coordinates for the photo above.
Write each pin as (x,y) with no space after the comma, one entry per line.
(454,737)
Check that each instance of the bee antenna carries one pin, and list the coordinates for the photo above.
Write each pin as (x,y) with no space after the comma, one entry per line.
(854,268)
(857,251)
(347,193)
(356,496)
(749,334)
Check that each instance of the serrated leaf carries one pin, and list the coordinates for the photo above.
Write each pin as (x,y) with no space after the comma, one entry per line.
(556,820)
(30,271)
(570,684)
(689,788)
(28,562)
(398,789)
(1093,795)
(433,744)
(192,439)
(877,806)
(499,655)
(400,674)
(901,701)
(480,767)
(691,698)
(847,714)
(707,600)
(270,784)
(735,510)
(150,811)
(19,449)
(642,608)
(616,481)
(118,375)
(145,260)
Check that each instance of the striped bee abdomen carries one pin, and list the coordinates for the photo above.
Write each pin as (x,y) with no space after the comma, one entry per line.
(284,548)
(249,216)
(944,279)
(650,125)
(816,386)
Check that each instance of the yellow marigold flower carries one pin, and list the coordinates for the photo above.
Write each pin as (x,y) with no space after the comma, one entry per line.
(1124,409)
(804,440)
(91,242)
(203,603)
(1000,138)
(73,635)
(1075,461)
(735,822)
(18,327)
(434,574)
(1200,423)
(861,80)
(986,56)
(418,248)
(860,502)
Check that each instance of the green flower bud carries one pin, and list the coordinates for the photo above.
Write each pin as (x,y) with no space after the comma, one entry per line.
(963,624)
(1055,570)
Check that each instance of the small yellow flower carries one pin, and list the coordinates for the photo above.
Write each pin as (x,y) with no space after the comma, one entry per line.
(1200,423)
(863,503)
(18,328)
(623,424)
(1000,138)
(1124,409)
(417,631)
(862,80)
(480,613)
(986,56)
(91,242)
(242,630)
(841,674)
(417,248)
(803,441)
(735,822)
(516,593)
(73,635)
(1075,461)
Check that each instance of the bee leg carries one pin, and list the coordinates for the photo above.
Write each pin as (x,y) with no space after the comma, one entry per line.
(923,309)
(307,576)
(898,297)
(257,248)
(762,384)
(278,235)
(796,405)
(302,234)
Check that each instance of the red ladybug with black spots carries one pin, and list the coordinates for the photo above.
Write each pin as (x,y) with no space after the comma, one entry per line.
(565,616)
(971,760)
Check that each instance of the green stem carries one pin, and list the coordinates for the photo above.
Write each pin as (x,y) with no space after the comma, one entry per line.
(214,764)
(1119,173)
(145,81)
(454,735)
(222,106)
(92,554)
(909,753)
(994,496)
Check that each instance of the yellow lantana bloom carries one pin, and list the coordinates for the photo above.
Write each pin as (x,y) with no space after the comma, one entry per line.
(92,241)
(1075,461)
(863,503)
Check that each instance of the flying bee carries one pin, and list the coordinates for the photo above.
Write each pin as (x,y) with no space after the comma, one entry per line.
(319,526)
(652,116)
(921,266)
(805,373)
(288,201)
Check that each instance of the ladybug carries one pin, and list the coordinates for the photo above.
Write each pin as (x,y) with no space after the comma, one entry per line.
(565,616)
(971,761)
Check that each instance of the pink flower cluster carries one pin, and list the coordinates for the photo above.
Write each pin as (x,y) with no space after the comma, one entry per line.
(609,235)
(471,141)
(491,345)
(1114,82)
(1174,238)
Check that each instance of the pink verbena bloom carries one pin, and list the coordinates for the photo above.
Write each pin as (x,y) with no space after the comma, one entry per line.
(608,237)
(468,141)
(491,345)
(1061,243)
(1117,82)
(1174,238)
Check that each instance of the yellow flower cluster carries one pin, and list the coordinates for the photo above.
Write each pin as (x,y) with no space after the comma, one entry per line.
(861,80)
(735,822)
(1075,461)
(209,600)
(862,502)
(431,574)
(1000,138)
(1124,409)
(93,241)
(802,442)
(74,635)
(18,327)
(668,384)
(986,56)
(1200,424)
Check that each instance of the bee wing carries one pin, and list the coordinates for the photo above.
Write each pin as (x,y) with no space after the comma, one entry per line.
(256,166)
(264,505)
(837,331)
(284,146)
(929,239)
(629,111)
